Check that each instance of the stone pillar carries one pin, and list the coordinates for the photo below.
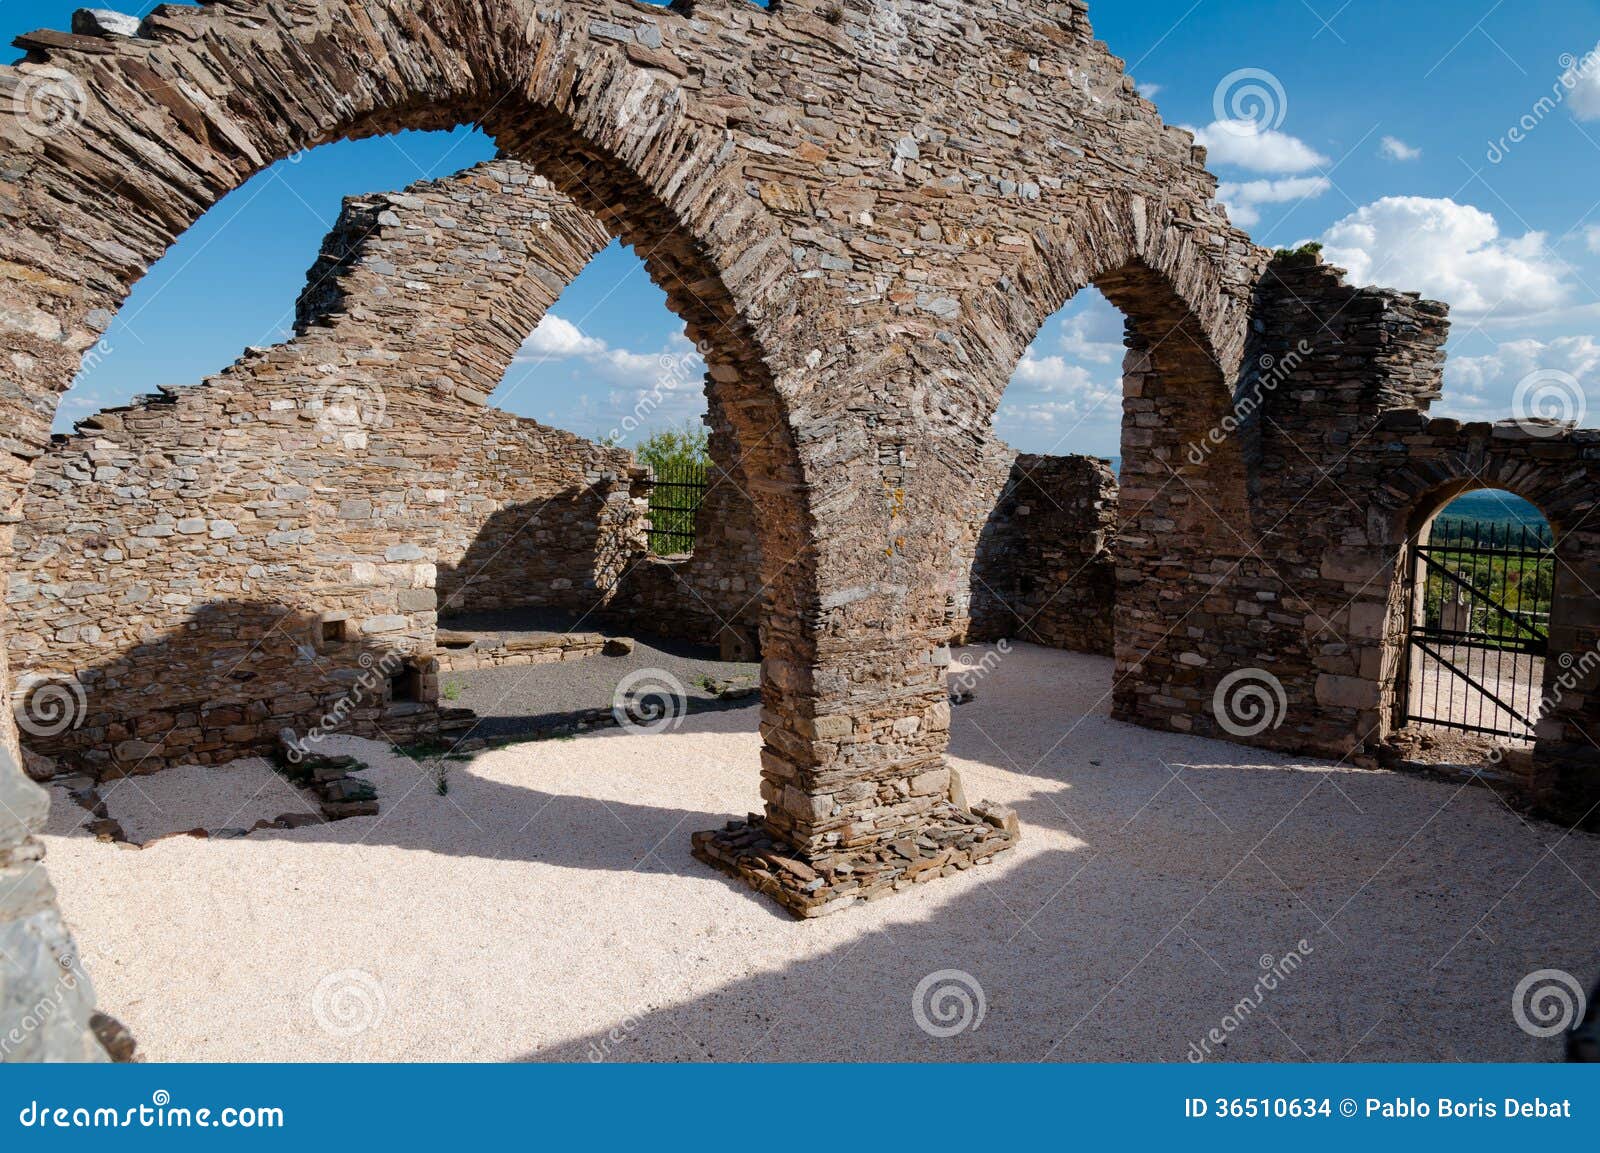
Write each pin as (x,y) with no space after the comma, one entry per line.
(855,640)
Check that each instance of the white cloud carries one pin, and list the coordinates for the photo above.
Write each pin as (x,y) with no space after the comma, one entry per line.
(558,338)
(1148,91)
(1583,82)
(1393,148)
(601,387)
(1244,199)
(1448,251)
(1052,374)
(1249,146)
(1483,386)
(1591,237)
(1091,328)
(1051,412)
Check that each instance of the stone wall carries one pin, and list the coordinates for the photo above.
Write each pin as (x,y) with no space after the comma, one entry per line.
(1346,470)
(715,593)
(204,567)
(1044,569)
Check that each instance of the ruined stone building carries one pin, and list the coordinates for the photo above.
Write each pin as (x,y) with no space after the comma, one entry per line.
(863,210)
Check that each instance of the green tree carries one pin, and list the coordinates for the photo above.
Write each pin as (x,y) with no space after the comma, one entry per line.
(673,450)
(679,458)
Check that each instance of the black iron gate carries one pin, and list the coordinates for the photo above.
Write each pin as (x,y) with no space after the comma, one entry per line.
(680,486)
(1480,628)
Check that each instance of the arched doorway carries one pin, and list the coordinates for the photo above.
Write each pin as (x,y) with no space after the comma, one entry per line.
(1477,597)
(1183,526)
(835,279)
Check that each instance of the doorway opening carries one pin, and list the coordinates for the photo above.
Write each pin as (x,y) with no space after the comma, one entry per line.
(1479,586)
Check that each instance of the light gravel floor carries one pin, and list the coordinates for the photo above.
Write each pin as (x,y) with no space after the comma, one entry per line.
(546,907)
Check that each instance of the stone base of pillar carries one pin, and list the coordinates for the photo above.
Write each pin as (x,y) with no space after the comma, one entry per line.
(951,840)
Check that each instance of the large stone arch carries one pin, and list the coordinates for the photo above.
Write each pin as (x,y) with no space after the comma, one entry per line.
(1181,510)
(352,477)
(810,184)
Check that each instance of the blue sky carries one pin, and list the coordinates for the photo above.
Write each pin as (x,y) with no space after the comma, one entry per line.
(1383,129)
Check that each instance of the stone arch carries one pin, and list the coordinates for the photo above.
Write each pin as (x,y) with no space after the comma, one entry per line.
(1408,505)
(365,442)
(1184,498)
(203,98)
(811,185)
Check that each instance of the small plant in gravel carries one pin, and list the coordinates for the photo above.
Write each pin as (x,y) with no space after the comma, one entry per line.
(451,690)
(441,777)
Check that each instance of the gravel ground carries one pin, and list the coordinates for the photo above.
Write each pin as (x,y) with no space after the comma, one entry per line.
(545,906)
(1516,679)
(211,797)
(511,700)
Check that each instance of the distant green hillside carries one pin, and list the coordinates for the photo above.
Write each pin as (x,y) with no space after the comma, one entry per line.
(1492,506)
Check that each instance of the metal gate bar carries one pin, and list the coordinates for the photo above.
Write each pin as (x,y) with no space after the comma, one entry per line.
(1484,600)
(674,502)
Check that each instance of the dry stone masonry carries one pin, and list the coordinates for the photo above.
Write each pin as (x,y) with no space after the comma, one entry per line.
(864,210)
(1044,569)
(272,547)
(194,504)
